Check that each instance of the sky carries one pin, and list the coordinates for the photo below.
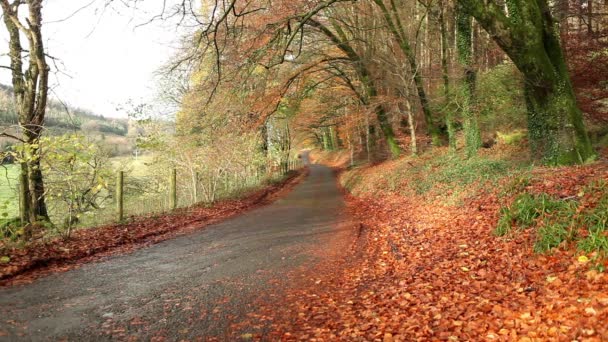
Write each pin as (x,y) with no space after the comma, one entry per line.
(107,57)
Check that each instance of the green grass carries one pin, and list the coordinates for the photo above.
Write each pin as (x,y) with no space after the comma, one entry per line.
(135,167)
(454,174)
(554,218)
(9,200)
(511,138)
(449,176)
(583,221)
(596,221)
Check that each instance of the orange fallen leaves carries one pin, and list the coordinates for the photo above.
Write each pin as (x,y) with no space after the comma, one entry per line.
(428,271)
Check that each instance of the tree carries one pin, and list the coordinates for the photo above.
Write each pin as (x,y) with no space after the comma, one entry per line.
(77,172)
(370,91)
(394,23)
(30,88)
(529,35)
(465,53)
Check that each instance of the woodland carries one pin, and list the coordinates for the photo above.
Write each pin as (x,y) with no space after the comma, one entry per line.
(470,138)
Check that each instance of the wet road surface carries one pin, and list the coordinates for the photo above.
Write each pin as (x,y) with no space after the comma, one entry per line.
(191,287)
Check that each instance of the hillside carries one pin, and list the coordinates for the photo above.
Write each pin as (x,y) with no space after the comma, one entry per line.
(61,119)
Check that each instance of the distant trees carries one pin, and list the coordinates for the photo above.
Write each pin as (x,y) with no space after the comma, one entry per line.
(30,87)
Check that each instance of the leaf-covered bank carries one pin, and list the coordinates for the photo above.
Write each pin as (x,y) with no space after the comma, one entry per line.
(434,269)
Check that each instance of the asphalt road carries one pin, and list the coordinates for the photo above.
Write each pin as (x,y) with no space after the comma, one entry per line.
(192,287)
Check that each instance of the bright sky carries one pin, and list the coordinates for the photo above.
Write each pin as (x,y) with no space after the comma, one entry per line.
(107,60)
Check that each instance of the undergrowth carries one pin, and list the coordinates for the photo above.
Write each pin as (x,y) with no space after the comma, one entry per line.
(452,172)
(581,220)
(450,176)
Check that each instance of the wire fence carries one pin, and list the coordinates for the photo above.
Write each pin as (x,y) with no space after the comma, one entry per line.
(9,192)
(134,192)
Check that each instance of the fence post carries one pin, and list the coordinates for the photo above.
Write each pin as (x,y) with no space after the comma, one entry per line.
(198,176)
(173,190)
(23,205)
(119,196)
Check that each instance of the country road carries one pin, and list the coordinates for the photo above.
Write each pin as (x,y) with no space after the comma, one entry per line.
(192,287)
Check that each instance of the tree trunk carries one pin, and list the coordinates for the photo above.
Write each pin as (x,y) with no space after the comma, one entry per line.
(24,195)
(470,123)
(334,138)
(412,125)
(449,120)
(555,122)
(398,32)
(30,93)
(365,78)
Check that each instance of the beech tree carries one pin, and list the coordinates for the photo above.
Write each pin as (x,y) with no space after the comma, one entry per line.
(465,55)
(395,25)
(30,86)
(528,34)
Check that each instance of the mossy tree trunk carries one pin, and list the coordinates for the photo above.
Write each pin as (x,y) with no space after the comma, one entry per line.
(449,117)
(464,42)
(529,35)
(30,88)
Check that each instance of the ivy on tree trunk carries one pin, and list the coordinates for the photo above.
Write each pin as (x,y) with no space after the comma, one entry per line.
(529,36)
(464,42)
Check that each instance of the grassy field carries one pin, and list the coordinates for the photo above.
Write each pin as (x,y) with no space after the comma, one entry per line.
(136,167)
(9,200)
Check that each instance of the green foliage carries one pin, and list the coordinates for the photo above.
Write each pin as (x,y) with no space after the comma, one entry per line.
(511,138)
(558,220)
(454,171)
(77,174)
(500,99)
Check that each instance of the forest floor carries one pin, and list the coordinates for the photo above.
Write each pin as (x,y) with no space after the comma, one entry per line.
(429,266)
(23,264)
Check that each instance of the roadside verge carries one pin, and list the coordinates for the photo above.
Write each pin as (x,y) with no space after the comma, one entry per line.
(41,258)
